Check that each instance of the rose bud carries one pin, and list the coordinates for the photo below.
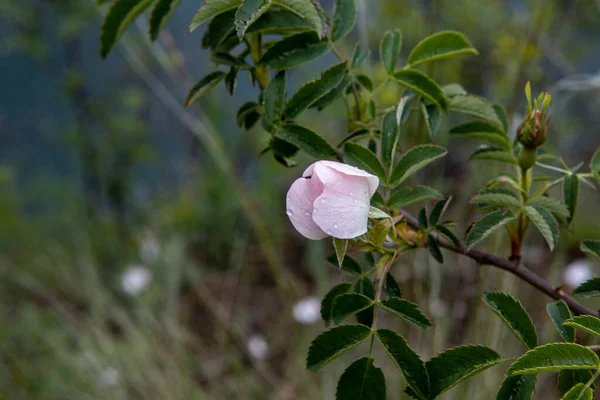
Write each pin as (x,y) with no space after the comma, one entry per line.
(532,132)
(331,199)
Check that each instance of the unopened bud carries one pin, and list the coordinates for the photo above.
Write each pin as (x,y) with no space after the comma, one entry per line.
(533,131)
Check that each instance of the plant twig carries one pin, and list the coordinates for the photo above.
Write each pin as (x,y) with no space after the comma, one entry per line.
(519,269)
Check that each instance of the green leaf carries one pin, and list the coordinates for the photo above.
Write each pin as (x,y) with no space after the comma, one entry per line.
(212,8)
(595,165)
(494,153)
(554,357)
(247,13)
(511,311)
(202,86)
(340,245)
(447,233)
(433,119)
(474,105)
(571,194)
(361,157)
(406,360)
(311,142)
(457,364)
(348,304)
(344,18)
(569,378)
(365,82)
(554,206)
(484,130)
(219,28)
(391,287)
(591,248)
(413,160)
(423,221)
(349,265)
(440,45)
(453,89)
(361,381)
(376,213)
(358,56)
(389,137)
(407,310)
(438,210)
(120,15)
(402,111)
(559,312)
(519,387)
(434,249)
(274,97)
(498,199)
(422,85)
(231,80)
(332,343)
(548,228)
(282,148)
(333,94)
(406,196)
(356,135)
(312,91)
(294,50)
(248,114)
(590,288)
(308,10)
(327,302)
(365,286)
(501,114)
(279,22)
(586,322)
(487,225)
(389,49)
(579,392)
(161,13)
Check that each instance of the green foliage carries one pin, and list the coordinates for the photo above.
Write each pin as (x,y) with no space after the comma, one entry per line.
(344,18)
(454,365)
(434,249)
(361,381)
(586,322)
(389,138)
(591,248)
(559,312)
(333,94)
(162,11)
(280,22)
(308,140)
(494,153)
(487,225)
(203,86)
(349,265)
(518,387)
(340,246)
(579,392)
(391,287)
(294,50)
(212,8)
(332,343)
(571,194)
(511,311)
(389,49)
(120,15)
(495,197)
(407,361)
(419,83)
(433,119)
(571,377)
(348,304)
(407,195)
(438,211)
(247,13)
(312,91)
(545,223)
(554,206)
(413,160)
(274,98)
(406,310)
(364,158)
(484,130)
(476,106)
(554,357)
(440,45)
(589,288)
(327,302)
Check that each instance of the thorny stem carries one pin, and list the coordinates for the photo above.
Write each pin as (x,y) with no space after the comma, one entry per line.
(517,269)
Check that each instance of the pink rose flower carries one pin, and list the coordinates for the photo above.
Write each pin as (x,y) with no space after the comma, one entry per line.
(331,199)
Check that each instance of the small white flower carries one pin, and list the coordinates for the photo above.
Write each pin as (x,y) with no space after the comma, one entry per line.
(135,279)
(258,347)
(108,377)
(307,310)
(577,272)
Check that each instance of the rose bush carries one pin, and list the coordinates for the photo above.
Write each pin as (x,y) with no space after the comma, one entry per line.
(331,199)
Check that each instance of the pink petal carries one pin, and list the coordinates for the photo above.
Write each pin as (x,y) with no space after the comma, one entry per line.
(344,169)
(341,214)
(299,205)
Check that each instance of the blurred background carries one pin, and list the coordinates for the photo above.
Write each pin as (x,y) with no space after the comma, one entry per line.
(144,247)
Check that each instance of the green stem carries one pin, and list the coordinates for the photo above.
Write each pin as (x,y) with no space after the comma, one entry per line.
(377,297)
(593,378)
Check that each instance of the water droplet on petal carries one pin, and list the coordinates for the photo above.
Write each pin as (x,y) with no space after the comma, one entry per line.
(323,200)
(288,199)
(351,194)
(355,201)
(289,213)
(329,232)
(307,214)
(335,226)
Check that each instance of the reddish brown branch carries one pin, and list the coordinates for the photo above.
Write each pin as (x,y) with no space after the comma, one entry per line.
(518,269)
